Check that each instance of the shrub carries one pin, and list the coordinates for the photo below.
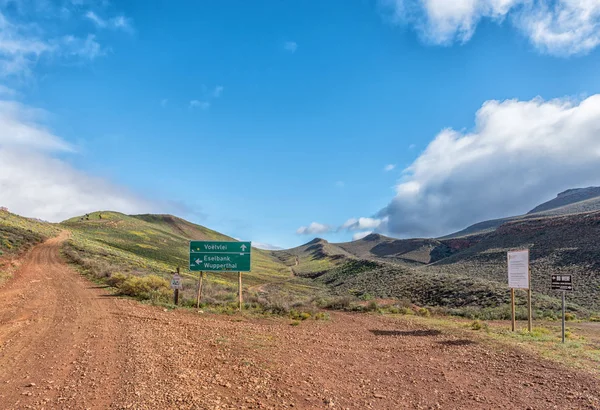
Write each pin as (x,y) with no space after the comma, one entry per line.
(338,303)
(276,305)
(116,279)
(321,316)
(595,319)
(149,287)
(570,316)
(371,307)
(406,311)
(478,325)
(424,312)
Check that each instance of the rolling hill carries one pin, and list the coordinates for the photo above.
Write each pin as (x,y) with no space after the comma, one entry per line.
(158,244)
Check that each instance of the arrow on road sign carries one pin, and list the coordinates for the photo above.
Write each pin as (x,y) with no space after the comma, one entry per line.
(243,247)
(198,261)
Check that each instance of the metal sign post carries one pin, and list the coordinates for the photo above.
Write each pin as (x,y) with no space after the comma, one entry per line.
(563,317)
(563,283)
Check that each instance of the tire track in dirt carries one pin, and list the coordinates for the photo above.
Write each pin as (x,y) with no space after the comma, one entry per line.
(57,341)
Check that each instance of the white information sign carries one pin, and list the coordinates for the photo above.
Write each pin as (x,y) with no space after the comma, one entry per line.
(518,269)
(176,282)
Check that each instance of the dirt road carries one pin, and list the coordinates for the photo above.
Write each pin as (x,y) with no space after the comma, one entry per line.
(66,344)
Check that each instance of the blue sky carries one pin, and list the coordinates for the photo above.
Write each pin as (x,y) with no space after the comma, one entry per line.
(257,118)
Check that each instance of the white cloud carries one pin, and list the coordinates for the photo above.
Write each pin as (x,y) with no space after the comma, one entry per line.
(121,22)
(87,48)
(360,235)
(23,44)
(266,246)
(33,183)
(559,27)
(96,19)
(389,167)
(116,23)
(569,27)
(290,46)
(519,153)
(218,91)
(20,127)
(204,105)
(313,228)
(359,224)
(20,48)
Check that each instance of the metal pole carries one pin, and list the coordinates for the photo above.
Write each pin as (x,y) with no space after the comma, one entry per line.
(563,316)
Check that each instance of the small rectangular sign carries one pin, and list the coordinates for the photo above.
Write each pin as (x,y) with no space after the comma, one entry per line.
(518,269)
(562,282)
(176,282)
(215,256)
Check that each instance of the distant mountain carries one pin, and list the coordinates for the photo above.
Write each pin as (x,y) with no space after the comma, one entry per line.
(572,201)
(376,246)
(313,258)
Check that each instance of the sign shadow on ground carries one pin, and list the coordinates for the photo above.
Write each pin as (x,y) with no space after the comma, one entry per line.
(421,332)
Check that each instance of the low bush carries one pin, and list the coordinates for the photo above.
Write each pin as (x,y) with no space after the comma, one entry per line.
(321,316)
(116,279)
(479,325)
(151,287)
(338,303)
(424,312)
(371,306)
(294,314)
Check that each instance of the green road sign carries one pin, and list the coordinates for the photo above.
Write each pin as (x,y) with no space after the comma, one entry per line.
(220,256)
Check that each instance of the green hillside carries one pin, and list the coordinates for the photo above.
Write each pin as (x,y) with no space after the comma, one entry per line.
(17,235)
(111,246)
(157,244)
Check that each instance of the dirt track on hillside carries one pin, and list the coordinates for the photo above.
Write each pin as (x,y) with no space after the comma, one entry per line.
(66,344)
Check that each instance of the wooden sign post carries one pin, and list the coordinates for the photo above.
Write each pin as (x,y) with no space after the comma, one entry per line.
(200,278)
(513,325)
(519,278)
(240,290)
(176,284)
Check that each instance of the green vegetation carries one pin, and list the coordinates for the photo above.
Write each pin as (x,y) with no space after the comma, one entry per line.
(19,234)
(151,244)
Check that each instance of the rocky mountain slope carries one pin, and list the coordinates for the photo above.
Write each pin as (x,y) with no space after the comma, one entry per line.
(571,201)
